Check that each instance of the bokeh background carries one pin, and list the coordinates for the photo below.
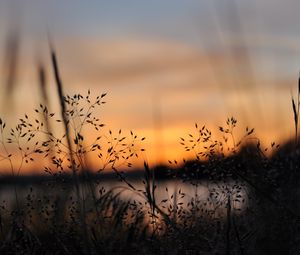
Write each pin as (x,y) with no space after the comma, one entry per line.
(165,64)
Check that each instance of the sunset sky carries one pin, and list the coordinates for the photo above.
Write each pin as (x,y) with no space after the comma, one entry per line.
(165,64)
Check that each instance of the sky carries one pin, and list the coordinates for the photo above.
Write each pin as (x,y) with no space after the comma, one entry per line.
(165,64)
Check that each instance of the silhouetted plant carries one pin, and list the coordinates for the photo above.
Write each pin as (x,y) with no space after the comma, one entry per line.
(295,107)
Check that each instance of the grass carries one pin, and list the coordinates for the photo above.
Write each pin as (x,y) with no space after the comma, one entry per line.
(296,105)
(251,206)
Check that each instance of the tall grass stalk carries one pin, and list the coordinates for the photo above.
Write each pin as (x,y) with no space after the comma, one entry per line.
(295,106)
(80,201)
(42,78)
(11,63)
(59,87)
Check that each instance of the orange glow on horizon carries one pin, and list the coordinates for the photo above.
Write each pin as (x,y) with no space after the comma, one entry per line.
(156,153)
(158,89)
